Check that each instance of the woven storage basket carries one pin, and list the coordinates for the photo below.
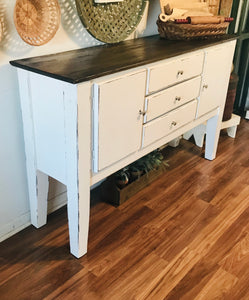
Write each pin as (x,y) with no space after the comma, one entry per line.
(172,31)
(37,21)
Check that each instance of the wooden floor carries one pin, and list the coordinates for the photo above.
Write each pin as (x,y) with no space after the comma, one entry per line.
(186,236)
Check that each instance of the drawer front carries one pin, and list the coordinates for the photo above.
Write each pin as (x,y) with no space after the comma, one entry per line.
(166,124)
(174,71)
(172,98)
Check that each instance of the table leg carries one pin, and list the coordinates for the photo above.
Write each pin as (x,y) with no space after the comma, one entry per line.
(78,156)
(212,136)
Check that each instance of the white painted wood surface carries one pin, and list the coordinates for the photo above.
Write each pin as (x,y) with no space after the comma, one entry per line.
(49,127)
(175,70)
(119,120)
(77,158)
(162,126)
(36,180)
(113,131)
(172,98)
(217,67)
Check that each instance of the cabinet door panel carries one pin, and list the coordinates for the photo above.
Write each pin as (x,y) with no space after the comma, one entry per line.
(119,121)
(216,73)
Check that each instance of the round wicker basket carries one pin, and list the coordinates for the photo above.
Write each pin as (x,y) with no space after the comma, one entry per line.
(110,22)
(37,21)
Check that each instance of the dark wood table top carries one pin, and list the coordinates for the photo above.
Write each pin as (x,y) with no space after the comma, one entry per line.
(81,65)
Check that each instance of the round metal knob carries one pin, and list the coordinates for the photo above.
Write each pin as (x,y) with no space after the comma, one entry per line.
(205,86)
(173,123)
(177,98)
(180,72)
(142,112)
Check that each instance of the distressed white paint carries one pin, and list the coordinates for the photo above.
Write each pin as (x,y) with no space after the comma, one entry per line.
(159,143)
(49,125)
(84,167)
(119,121)
(164,125)
(114,127)
(175,70)
(171,98)
(218,61)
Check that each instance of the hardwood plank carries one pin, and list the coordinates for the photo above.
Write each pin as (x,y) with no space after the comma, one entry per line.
(39,280)
(218,286)
(194,281)
(236,261)
(188,233)
(138,281)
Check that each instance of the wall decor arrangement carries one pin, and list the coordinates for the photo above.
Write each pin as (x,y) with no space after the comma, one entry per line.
(37,21)
(110,22)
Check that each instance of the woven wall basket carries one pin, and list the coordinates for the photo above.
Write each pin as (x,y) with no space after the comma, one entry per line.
(110,22)
(37,21)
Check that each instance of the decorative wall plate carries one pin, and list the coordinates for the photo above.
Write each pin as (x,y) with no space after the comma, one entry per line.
(110,22)
(37,21)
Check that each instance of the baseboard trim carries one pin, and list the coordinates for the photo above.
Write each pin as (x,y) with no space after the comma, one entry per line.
(23,221)
(57,202)
(15,226)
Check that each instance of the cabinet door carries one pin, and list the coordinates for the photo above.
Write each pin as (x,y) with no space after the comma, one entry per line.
(118,121)
(216,73)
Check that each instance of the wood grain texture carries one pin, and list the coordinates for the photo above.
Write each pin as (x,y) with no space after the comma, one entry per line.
(85,64)
(186,236)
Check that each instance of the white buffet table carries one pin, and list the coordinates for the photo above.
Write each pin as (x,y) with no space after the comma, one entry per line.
(89,112)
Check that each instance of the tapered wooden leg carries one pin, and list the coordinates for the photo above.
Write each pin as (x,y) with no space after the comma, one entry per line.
(212,136)
(78,151)
(37,181)
(78,218)
(38,195)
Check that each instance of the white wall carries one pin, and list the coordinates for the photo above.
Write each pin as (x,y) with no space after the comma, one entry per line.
(14,205)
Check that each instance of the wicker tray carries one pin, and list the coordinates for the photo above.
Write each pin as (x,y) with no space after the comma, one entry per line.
(110,22)
(170,30)
(37,21)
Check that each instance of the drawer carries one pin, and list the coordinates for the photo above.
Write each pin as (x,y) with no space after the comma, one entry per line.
(174,71)
(166,124)
(172,98)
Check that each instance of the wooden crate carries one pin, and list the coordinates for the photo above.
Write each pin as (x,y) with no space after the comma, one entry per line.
(112,194)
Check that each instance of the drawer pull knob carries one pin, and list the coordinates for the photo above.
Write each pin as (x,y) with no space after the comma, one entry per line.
(173,123)
(180,73)
(142,112)
(178,98)
(205,86)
